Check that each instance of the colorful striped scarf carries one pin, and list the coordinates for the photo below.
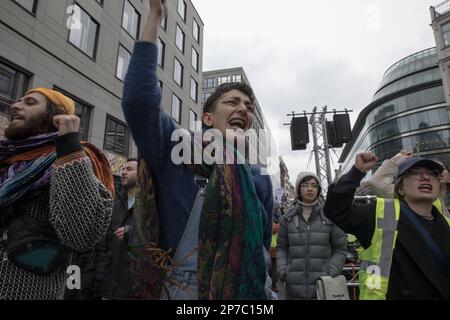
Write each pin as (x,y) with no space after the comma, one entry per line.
(26,167)
(230,255)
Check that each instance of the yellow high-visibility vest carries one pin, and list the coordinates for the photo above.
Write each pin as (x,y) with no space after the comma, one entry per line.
(376,260)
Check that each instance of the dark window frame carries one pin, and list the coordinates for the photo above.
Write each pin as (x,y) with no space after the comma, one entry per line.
(163,53)
(97,33)
(185,9)
(175,59)
(33,10)
(196,90)
(138,23)
(89,108)
(127,132)
(180,108)
(117,61)
(176,38)
(196,68)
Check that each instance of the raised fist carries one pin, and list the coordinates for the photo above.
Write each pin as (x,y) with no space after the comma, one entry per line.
(158,8)
(365,161)
(66,124)
(401,156)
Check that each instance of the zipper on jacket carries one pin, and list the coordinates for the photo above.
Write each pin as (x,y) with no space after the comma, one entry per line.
(306,260)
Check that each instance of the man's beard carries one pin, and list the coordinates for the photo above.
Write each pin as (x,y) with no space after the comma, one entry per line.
(32,127)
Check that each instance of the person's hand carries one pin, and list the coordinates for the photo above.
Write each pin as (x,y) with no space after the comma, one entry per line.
(66,124)
(365,161)
(158,8)
(119,233)
(401,156)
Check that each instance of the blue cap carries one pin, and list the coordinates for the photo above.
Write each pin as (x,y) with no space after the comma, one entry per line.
(417,162)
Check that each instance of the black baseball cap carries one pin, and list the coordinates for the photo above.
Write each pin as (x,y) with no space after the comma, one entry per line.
(417,162)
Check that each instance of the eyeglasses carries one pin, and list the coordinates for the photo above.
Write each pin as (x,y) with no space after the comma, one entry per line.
(418,174)
(309,186)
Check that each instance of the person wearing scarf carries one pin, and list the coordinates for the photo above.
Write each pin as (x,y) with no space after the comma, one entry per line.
(211,244)
(49,177)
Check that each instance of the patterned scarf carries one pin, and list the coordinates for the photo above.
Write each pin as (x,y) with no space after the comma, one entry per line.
(26,167)
(230,255)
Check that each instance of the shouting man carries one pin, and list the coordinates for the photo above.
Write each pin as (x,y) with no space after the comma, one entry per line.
(55,196)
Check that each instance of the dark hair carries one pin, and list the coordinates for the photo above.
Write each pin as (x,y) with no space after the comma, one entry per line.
(306,179)
(210,103)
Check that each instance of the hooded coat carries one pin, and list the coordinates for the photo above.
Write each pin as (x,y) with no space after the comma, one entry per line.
(308,250)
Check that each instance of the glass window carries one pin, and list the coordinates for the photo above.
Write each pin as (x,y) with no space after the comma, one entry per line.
(210,82)
(176,108)
(194,59)
(178,72)
(182,9)
(238,78)
(446,34)
(180,39)
(13,83)
(83,33)
(192,120)
(117,137)
(195,31)
(130,19)
(29,5)
(123,60)
(205,96)
(194,89)
(163,23)
(161,52)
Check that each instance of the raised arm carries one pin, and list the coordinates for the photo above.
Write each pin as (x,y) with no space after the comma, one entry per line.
(339,208)
(80,205)
(150,127)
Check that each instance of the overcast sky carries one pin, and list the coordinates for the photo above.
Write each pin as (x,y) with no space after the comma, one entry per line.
(299,54)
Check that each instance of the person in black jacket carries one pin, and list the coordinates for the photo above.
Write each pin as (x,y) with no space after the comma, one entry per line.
(415,271)
(118,275)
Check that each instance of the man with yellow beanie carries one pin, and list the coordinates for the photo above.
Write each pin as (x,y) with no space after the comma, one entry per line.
(55,197)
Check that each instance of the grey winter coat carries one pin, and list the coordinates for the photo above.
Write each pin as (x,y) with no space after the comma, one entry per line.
(307,250)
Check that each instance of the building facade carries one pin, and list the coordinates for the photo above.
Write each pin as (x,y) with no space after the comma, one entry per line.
(440,23)
(83,49)
(408,111)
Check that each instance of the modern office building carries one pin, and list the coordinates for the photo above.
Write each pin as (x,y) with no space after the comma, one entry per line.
(83,48)
(408,111)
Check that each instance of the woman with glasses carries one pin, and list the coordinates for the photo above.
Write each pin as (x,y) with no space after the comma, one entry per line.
(309,245)
(405,240)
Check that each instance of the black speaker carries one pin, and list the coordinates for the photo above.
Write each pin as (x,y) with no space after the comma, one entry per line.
(342,127)
(299,133)
(331,135)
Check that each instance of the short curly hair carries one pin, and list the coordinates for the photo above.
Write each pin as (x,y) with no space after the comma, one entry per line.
(210,103)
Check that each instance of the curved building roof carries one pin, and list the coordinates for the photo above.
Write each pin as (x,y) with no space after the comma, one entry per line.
(412,73)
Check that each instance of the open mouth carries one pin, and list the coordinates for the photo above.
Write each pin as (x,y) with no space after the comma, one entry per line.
(16,117)
(238,123)
(426,187)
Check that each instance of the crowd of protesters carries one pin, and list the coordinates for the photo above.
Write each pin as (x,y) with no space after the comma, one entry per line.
(209,230)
